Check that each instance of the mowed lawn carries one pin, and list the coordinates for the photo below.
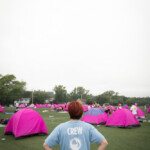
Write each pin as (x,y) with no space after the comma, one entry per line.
(118,138)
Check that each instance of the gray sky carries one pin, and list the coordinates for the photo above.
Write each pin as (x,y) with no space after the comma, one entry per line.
(100,45)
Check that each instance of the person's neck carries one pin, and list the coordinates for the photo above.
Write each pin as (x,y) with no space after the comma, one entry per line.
(73,119)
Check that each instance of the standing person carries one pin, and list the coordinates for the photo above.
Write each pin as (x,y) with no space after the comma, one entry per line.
(147,106)
(17,105)
(75,134)
(104,107)
(119,106)
(133,109)
(89,107)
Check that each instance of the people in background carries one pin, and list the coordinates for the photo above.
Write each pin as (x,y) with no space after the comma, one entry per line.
(133,109)
(146,106)
(89,107)
(75,134)
(96,105)
(119,106)
(104,107)
(17,105)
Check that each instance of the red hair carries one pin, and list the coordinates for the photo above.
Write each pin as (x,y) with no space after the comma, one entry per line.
(75,109)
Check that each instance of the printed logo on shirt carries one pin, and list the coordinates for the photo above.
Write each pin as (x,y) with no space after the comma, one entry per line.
(74,131)
(75,144)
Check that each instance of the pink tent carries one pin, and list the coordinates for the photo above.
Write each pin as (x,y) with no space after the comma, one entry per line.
(52,108)
(85,108)
(125,106)
(100,107)
(1,109)
(122,118)
(65,107)
(95,116)
(48,105)
(108,107)
(149,110)
(140,113)
(55,105)
(39,105)
(112,108)
(26,122)
(31,106)
(22,106)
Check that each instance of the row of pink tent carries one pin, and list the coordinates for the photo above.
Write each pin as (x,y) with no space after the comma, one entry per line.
(120,118)
(28,122)
(35,106)
(64,106)
(140,112)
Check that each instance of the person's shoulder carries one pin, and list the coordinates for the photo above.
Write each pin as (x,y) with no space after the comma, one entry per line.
(63,124)
(87,125)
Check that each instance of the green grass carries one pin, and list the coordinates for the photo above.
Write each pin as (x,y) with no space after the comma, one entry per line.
(118,138)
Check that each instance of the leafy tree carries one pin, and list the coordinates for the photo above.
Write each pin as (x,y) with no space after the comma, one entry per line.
(73,95)
(27,94)
(101,99)
(60,94)
(68,98)
(109,95)
(141,101)
(51,94)
(79,92)
(39,97)
(130,101)
(117,99)
(10,89)
(89,102)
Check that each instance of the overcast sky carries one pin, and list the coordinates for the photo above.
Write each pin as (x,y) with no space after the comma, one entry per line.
(99,45)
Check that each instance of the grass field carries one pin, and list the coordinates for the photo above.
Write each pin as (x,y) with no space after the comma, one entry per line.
(118,138)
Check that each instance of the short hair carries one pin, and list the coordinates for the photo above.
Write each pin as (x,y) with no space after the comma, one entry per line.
(75,109)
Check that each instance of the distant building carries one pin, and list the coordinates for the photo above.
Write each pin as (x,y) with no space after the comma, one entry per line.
(49,101)
(25,101)
(82,101)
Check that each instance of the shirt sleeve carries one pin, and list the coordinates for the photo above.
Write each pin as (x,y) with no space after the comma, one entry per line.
(95,137)
(53,139)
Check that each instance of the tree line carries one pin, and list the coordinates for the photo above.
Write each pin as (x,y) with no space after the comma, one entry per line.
(11,90)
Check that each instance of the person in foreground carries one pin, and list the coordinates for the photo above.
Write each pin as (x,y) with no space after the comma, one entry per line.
(75,134)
